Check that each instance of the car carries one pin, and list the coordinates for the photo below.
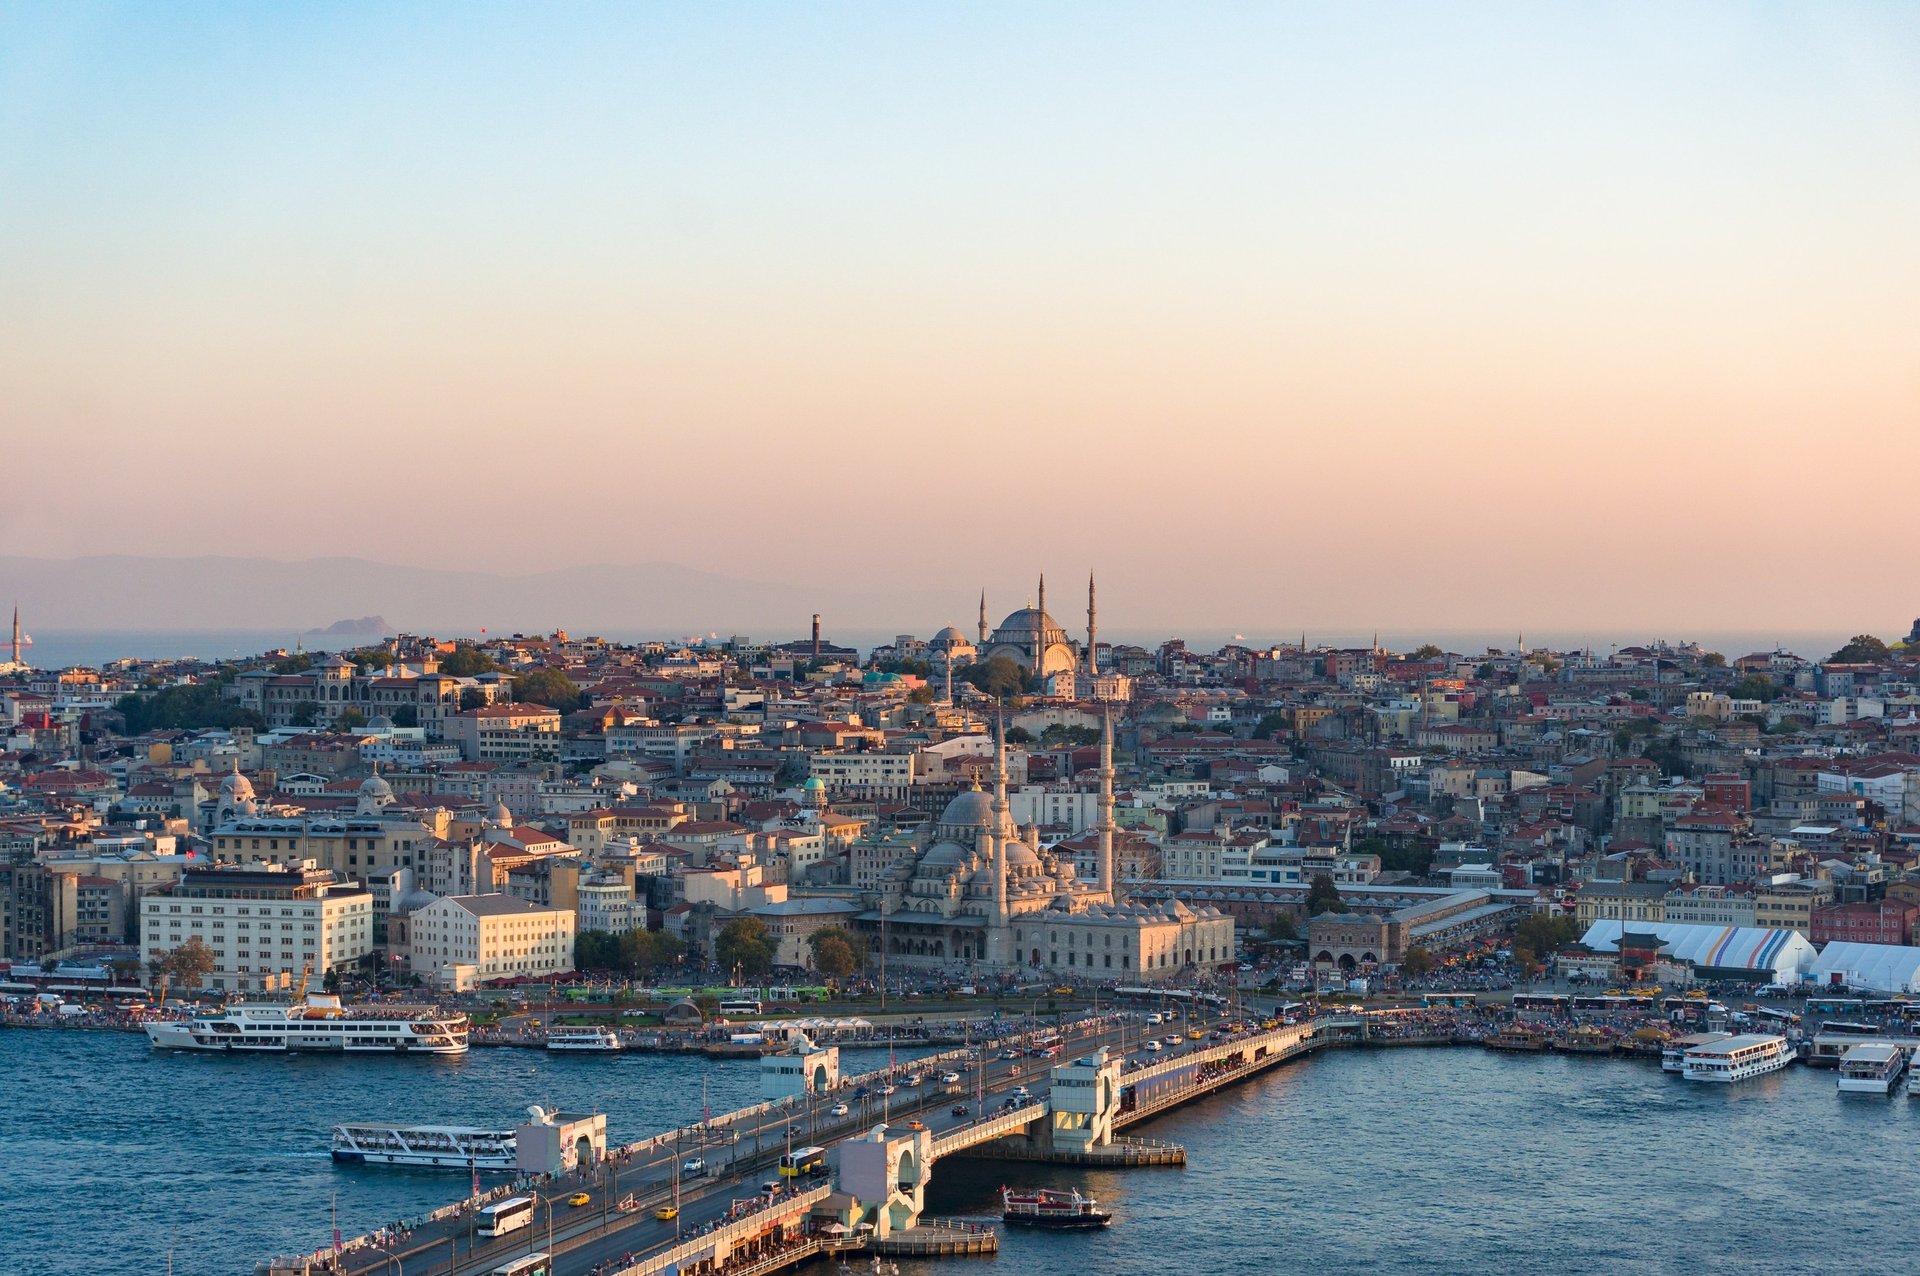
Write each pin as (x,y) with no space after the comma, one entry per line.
(793,1130)
(862,1092)
(1154,1047)
(959,1109)
(1175,1039)
(667,1213)
(916,1125)
(949,1078)
(693,1165)
(889,1089)
(839,1110)
(1009,1054)
(578,1199)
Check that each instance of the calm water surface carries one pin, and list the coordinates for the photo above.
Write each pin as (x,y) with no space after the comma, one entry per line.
(1452,1161)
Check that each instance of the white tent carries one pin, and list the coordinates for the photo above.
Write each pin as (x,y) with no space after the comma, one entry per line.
(1881,967)
(1786,954)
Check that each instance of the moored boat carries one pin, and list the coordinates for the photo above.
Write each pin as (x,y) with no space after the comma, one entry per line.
(1673,1057)
(1738,1058)
(1518,1040)
(445,1147)
(1045,1207)
(1872,1068)
(583,1037)
(318,1022)
(1584,1040)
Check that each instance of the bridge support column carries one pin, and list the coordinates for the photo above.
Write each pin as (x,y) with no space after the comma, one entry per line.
(1082,1101)
(886,1170)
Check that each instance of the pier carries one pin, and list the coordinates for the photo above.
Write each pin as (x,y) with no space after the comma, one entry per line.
(742,1217)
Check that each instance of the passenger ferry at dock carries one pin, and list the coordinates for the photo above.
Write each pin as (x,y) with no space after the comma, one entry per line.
(583,1038)
(1673,1055)
(317,1023)
(1872,1068)
(445,1147)
(1738,1058)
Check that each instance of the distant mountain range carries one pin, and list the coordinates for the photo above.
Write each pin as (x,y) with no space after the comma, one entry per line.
(124,592)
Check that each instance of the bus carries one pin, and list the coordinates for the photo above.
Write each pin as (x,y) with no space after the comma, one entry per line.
(1767,1014)
(505,1216)
(1552,1001)
(1842,1028)
(525,1265)
(1464,1000)
(804,1161)
(1045,1045)
(1605,1003)
(742,1006)
(1833,1005)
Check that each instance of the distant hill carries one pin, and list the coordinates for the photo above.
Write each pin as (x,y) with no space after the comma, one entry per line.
(125,592)
(364,627)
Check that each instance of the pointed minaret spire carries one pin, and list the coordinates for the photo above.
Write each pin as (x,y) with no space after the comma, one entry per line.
(16,633)
(1093,634)
(1043,595)
(983,621)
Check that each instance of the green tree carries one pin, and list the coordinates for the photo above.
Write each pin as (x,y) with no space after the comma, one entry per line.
(467,661)
(836,953)
(921,695)
(643,951)
(1019,735)
(1408,857)
(1714,660)
(350,720)
(298,662)
(999,676)
(1281,928)
(1544,932)
(596,950)
(1861,649)
(1416,961)
(185,708)
(1665,754)
(471,698)
(549,687)
(1485,671)
(1268,725)
(744,943)
(405,715)
(1755,686)
(1062,736)
(185,966)
(304,714)
(1425,651)
(1324,897)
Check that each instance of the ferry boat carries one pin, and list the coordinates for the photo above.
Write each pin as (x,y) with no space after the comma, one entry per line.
(589,1037)
(1673,1055)
(1872,1068)
(447,1147)
(1738,1058)
(1523,1040)
(1045,1207)
(1585,1039)
(319,1022)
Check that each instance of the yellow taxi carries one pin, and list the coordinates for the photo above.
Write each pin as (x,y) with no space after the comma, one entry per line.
(667,1213)
(578,1199)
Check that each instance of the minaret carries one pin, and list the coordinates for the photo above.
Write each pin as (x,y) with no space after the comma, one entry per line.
(949,675)
(983,623)
(16,633)
(1002,834)
(1040,634)
(1093,633)
(1107,883)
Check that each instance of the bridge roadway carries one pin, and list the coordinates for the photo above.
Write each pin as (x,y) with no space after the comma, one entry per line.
(585,1238)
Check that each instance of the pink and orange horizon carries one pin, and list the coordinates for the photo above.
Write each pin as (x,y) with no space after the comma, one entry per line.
(1532,315)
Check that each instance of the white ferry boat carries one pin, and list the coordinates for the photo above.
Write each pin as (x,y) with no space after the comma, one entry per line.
(587,1038)
(1673,1055)
(447,1147)
(318,1023)
(1738,1058)
(1872,1068)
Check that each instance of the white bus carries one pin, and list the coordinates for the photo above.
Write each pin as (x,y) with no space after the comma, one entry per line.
(740,1007)
(528,1265)
(505,1216)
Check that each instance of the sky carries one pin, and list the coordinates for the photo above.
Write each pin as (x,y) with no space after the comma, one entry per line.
(1462,315)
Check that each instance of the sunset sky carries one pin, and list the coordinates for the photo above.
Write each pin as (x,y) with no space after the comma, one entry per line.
(1450,314)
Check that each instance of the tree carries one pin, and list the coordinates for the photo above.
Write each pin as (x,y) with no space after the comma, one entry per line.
(1425,651)
(185,708)
(349,720)
(1282,928)
(999,676)
(920,695)
(185,966)
(549,687)
(1755,686)
(1485,671)
(1060,735)
(1665,754)
(744,943)
(298,662)
(304,714)
(644,951)
(1860,649)
(596,950)
(467,661)
(1268,725)
(1324,897)
(836,953)
(405,715)
(471,698)
(1714,660)
(1544,932)
(1019,735)
(1416,961)
(1408,857)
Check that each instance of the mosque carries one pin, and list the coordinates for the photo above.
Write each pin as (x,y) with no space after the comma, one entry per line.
(1035,641)
(986,897)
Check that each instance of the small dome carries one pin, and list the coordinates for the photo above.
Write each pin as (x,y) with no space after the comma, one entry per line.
(814,784)
(502,817)
(380,722)
(237,786)
(948,637)
(375,786)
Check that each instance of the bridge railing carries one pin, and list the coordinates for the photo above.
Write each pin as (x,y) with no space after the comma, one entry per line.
(984,1131)
(743,1228)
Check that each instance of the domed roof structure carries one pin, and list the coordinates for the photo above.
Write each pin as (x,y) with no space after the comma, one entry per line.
(1030,626)
(236,786)
(969,809)
(813,784)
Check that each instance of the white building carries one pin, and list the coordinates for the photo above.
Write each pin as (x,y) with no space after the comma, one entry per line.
(266,924)
(498,935)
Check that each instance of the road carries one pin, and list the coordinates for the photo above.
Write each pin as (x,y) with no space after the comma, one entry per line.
(585,1237)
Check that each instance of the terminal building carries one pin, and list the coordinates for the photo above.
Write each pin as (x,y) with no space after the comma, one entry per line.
(1752,953)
